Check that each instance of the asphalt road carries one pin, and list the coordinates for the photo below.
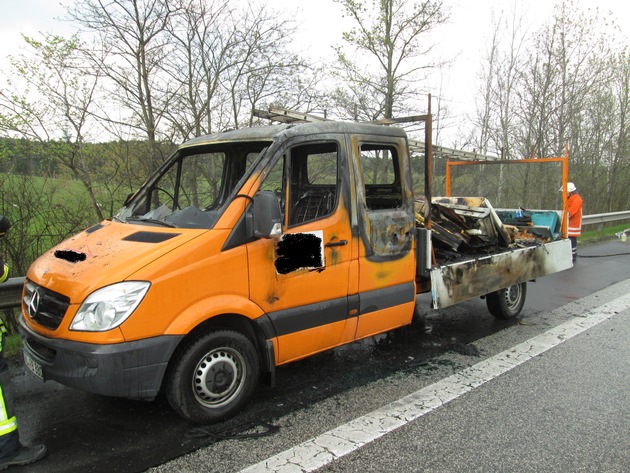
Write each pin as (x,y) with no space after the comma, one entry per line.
(565,409)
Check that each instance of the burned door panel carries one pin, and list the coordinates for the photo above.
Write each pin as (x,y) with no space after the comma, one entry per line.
(386,227)
(389,233)
(384,200)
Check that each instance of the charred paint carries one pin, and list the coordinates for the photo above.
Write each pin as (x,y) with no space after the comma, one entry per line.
(70,255)
(465,201)
(472,278)
(389,234)
(272,299)
(335,256)
(386,231)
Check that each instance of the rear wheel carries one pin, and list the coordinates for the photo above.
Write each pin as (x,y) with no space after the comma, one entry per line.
(507,303)
(213,377)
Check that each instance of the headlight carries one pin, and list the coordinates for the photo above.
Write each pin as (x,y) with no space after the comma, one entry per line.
(109,307)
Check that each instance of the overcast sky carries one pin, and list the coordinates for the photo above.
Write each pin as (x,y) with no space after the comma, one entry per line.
(320,26)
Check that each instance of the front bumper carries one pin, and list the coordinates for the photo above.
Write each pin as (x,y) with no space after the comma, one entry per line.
(132,369)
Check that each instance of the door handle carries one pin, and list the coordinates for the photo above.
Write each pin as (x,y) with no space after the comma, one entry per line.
(331,244)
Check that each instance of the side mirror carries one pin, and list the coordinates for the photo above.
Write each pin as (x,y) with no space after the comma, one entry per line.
(267,215)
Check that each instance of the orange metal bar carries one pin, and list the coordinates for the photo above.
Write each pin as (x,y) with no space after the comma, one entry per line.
(509,161)
(447,178)
(564,160)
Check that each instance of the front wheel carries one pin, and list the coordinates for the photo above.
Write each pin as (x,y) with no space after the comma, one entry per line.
(213,377)
(507,303)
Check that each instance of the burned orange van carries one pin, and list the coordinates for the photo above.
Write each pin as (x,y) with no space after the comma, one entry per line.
(245,250)
(253,248)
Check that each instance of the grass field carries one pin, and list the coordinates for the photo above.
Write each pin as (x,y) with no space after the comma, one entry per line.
(592,234)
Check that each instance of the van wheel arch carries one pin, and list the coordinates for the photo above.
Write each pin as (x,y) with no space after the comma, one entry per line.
(239,328)
(212,375)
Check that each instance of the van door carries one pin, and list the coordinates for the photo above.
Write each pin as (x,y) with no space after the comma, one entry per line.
(386,222)
(301,281)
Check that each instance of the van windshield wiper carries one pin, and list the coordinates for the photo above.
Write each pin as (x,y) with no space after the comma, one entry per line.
(151,220)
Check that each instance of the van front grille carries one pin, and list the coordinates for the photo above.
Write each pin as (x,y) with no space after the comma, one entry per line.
(43,306)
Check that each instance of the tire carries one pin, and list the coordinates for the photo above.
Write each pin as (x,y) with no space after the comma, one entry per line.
(507,303)
(213,377)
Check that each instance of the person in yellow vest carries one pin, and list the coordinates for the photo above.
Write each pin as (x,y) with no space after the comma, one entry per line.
(574,207)
(12,452)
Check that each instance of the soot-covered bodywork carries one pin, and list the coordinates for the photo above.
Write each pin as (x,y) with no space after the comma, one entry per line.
(476,252)
(476,276)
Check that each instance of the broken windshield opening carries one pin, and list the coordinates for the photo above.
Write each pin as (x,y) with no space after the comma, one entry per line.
(193,189)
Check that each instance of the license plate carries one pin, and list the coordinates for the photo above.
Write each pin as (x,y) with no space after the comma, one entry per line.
(33,366)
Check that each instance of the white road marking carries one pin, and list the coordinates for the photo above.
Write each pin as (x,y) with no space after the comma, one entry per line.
(340,441)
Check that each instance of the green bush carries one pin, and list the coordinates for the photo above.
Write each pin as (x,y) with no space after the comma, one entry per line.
(12,346)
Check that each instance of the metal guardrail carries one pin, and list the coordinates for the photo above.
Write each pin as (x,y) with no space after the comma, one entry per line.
(605,218)
(11,293)
(11,289)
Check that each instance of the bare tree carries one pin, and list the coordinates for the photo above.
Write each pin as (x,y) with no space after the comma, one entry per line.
(500,71)
(225,60)
(615,139)
(201,43)
(573,67)
(133,33)
(387,54)
(261,68)
(557,89)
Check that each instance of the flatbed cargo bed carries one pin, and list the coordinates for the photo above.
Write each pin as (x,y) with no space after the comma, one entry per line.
(476,276)
(475,250)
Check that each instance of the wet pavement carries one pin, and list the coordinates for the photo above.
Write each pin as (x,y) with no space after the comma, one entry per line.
(88,433)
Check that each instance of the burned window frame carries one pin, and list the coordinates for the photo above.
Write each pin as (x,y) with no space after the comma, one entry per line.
(386,229)
(309,201)
(378,195)
(298,186)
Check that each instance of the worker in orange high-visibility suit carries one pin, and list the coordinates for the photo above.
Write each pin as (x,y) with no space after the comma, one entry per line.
(574,207)
(12,452)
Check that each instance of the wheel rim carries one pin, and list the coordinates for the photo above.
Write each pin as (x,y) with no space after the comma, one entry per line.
(218,377)
(513,295)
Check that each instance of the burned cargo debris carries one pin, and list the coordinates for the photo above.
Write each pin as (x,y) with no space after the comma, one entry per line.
(465,226)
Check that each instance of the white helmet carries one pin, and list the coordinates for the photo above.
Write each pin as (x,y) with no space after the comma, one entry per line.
(570,187)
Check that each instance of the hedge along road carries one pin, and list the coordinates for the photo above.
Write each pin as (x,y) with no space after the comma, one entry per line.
(315,396)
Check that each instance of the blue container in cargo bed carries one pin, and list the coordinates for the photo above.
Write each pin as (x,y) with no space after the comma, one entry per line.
(545,224)
(551,220)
